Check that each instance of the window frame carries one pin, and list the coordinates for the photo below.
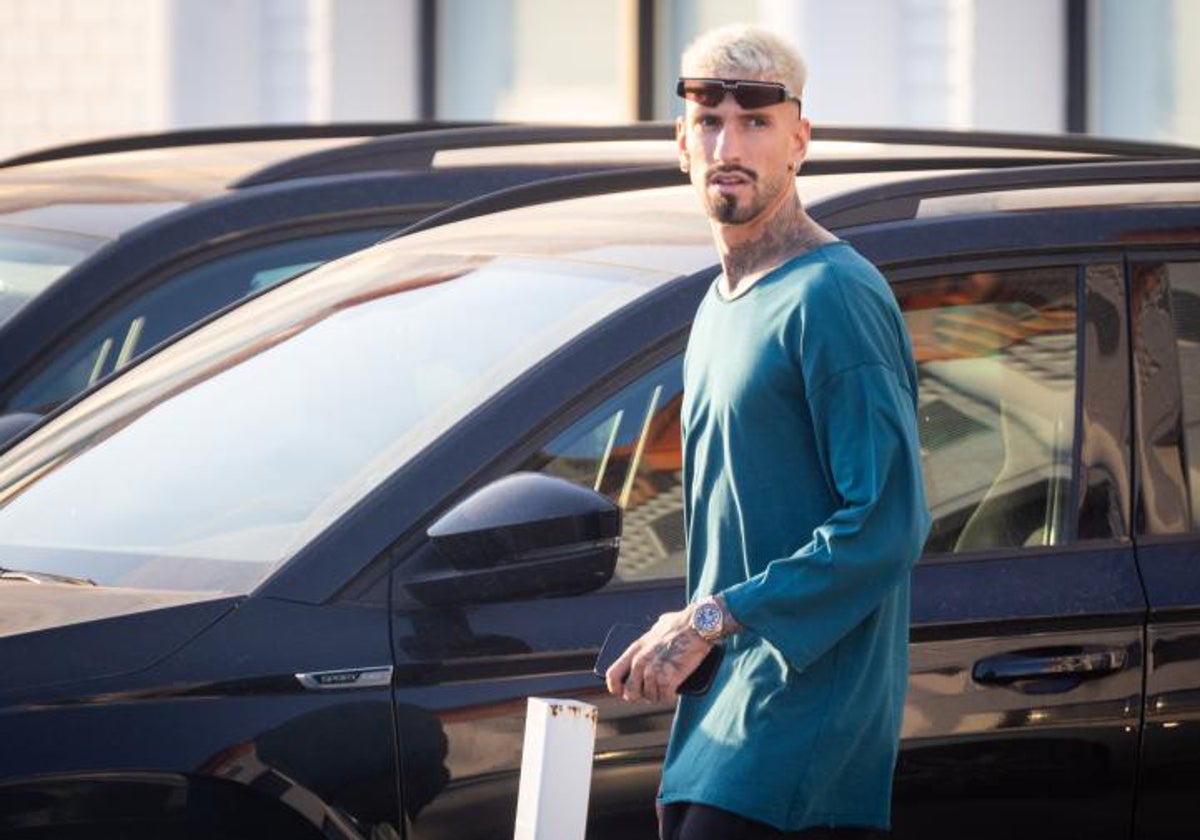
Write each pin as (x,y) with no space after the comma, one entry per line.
(911,271)
(162,271)
(1144,478)
(580,408)
(645,360)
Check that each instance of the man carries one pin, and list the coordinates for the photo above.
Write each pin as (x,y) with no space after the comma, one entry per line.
(804,503)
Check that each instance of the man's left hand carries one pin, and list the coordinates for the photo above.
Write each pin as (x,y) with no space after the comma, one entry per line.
(653,667)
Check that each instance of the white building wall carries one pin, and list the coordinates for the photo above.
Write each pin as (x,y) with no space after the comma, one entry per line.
(75,69)
(994,64)
(853,53)
(1186,127)
(294,61)
(81,69)
(287,48)
(372,52)
(1020,62)
(218,73)
(1146,69)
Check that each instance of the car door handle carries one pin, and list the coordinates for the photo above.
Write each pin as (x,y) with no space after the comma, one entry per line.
(1044,664)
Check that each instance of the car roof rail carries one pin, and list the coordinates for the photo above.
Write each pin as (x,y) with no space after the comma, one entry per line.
(230,134)
(902,200)
(420,150)
(1066,143)
(900,197)
(899,200)
(444,134)
(552,189)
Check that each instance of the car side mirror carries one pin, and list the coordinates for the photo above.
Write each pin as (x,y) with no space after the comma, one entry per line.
(526,535)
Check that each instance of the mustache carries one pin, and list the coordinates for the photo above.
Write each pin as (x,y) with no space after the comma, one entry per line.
(731,169)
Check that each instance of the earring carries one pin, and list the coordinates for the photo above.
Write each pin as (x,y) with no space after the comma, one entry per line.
(683,165)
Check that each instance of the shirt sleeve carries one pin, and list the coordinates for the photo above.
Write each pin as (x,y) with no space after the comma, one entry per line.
(803,604)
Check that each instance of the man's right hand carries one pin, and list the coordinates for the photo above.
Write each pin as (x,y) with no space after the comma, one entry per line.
(654,666)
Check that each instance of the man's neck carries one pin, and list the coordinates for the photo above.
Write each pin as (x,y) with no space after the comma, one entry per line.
(751,251)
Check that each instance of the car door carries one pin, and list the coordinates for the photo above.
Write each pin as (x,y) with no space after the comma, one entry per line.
(1165,298)
(1022,716)
(463,672)
(1025,687)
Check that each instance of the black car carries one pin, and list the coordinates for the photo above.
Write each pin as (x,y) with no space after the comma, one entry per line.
(296,573)
(109,248)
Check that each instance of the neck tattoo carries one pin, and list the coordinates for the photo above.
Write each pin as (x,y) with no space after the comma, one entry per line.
(785,236)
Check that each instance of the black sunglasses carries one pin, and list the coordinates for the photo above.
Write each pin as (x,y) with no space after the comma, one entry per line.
(748,94)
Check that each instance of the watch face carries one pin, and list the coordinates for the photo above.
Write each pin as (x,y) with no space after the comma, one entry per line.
(707,619)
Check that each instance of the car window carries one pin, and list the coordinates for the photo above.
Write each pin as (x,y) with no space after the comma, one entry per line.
(32,259)
(1184,281)
(629,449)
(996,353)
(172,305)
(996,360)
(223,454)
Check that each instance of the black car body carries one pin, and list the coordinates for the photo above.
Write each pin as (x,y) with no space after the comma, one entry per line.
(109,248)
(297,573)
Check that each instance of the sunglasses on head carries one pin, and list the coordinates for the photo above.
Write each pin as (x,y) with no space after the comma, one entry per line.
(748,94)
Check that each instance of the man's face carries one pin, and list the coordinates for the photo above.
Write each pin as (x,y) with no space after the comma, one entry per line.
(738,159)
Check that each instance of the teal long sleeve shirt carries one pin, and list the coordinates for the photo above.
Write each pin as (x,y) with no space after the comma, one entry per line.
(805,508)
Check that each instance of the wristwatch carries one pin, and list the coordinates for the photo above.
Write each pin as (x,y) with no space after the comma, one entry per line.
(708,619)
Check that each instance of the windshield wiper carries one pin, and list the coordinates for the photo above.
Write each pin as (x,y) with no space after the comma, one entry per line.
(43,577)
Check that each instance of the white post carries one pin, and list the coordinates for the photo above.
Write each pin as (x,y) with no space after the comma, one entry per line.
(556,770)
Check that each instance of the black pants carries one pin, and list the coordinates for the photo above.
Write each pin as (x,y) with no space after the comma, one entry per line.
(691,821)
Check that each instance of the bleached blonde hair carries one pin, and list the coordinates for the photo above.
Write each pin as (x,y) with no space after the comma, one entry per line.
(741,51)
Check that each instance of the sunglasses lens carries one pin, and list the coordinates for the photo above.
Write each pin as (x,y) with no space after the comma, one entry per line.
(708,94)
(752,96)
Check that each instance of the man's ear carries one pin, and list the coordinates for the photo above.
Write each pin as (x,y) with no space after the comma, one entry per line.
(800,140)
(681,142)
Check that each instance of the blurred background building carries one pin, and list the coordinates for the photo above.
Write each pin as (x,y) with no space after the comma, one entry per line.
(73,69)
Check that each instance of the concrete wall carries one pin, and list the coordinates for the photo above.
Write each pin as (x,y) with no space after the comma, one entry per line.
(72,69)
(995,64)
(239,61)
(1146,69)
(77,69)
(1019,59)
(373,52)
(217,74)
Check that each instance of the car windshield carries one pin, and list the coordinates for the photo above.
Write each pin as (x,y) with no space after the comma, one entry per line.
(31,259)
(206,466)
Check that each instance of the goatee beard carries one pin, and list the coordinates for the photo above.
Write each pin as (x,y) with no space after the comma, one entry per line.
(725,209)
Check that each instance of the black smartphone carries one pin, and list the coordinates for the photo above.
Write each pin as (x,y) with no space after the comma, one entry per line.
(621,636)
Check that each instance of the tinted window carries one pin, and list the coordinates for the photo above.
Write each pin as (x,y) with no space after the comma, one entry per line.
(229,450)
(30,260)
(996,358)
(629,449)
(172,305)
(1184,281)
